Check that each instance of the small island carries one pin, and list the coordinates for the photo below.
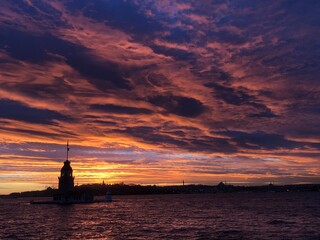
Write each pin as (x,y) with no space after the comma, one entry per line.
(67,193)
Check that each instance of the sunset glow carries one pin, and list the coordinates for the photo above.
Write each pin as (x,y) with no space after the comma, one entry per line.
(157,92)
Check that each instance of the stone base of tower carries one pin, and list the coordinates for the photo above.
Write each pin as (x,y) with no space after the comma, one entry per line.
(72,198)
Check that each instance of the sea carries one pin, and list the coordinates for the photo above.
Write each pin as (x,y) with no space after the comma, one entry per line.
(269,215)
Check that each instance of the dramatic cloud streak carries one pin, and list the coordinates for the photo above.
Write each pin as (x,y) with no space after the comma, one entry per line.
(159,91)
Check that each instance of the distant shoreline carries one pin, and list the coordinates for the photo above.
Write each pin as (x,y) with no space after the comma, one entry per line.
(123,189)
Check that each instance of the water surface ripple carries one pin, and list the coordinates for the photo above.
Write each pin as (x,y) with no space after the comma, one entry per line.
(184,216)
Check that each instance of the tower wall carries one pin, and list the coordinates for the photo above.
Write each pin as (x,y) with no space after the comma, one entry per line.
(66,180)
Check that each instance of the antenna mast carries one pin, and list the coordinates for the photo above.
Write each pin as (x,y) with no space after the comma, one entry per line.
(68,150)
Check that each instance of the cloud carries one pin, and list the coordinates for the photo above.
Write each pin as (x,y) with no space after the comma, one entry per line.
(102,73)
(111,108)
(15,110)
(239,97)
(118,14)
(262,140)
(182,106)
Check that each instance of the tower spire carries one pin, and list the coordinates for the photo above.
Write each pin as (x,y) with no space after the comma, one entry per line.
(68,150)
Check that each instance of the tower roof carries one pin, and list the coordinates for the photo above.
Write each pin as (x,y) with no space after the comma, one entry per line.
(66,166)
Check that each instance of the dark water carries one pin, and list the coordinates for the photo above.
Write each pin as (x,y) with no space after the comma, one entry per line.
(203,216)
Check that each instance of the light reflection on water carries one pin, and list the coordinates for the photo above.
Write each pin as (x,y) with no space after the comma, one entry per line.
(193,216)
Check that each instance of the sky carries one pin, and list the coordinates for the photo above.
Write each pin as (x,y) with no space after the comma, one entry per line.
(157,92)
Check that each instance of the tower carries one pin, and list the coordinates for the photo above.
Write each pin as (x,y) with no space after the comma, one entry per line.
(66,180)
